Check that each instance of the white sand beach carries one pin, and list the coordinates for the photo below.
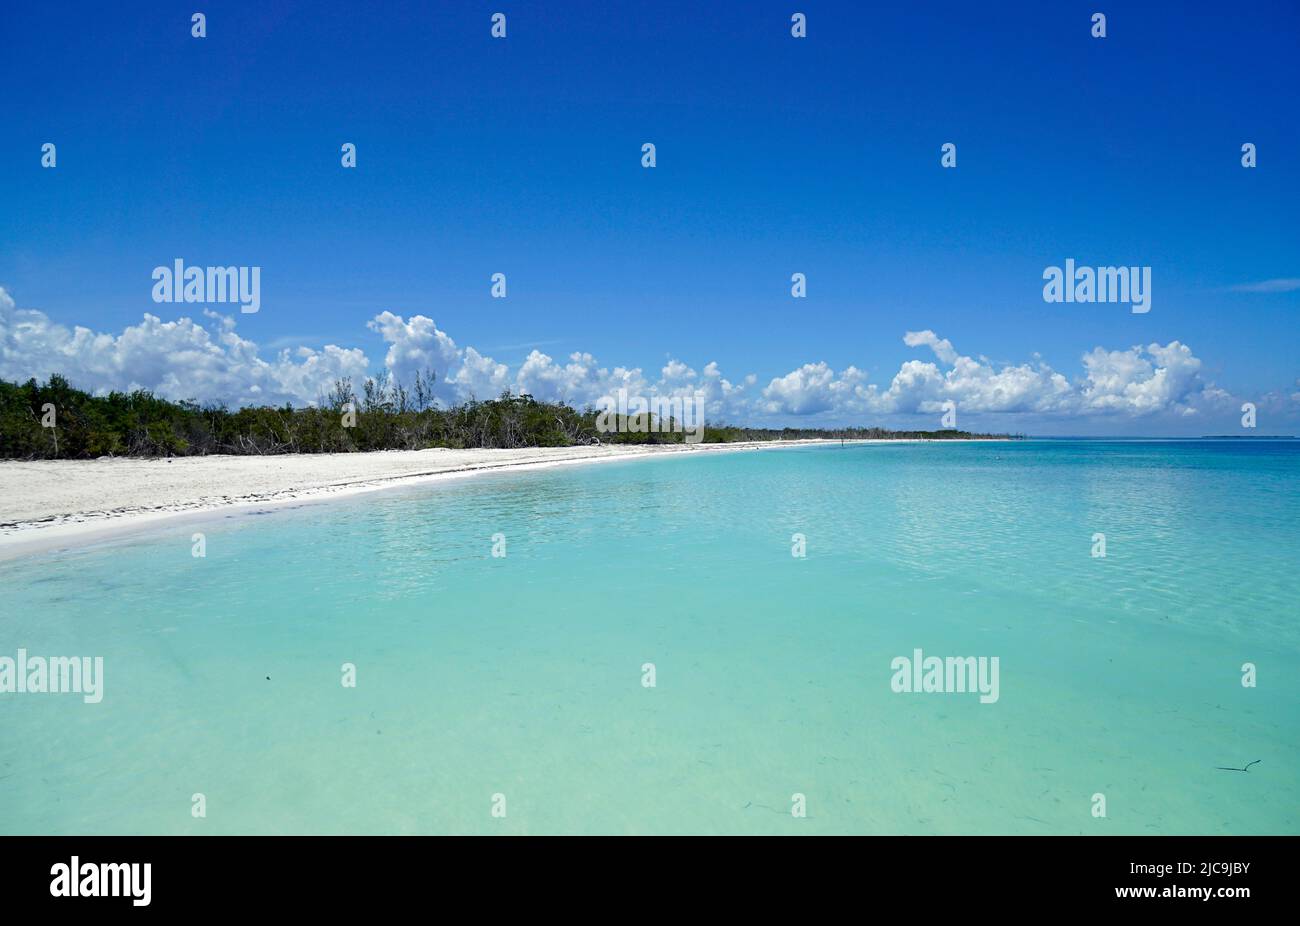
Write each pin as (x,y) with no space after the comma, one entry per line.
(46,504)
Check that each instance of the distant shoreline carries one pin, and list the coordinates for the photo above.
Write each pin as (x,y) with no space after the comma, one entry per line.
(52,504)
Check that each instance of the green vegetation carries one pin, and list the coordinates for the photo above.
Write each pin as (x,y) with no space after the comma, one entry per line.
(387,416)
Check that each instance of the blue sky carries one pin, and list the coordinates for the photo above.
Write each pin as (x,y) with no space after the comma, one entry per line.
(775,155)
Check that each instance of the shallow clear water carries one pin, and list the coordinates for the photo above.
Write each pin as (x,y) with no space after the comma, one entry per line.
(522,675)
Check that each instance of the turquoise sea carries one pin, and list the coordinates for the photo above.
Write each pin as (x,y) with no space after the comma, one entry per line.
(522,676)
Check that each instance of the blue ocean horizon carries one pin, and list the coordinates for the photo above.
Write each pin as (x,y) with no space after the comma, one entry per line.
(518,682)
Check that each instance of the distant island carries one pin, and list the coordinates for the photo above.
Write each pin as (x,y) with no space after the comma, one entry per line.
(54,420)
(1247,437)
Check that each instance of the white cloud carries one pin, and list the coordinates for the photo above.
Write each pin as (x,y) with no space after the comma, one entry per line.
(1140,381)
(942,347)
(1280,285)
(1134,383)
(179,359)
(815,388)
(206,359)
(480,377)
(581,381)
(417,346)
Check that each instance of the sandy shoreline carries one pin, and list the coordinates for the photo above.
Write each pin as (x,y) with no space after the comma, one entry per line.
(46,504)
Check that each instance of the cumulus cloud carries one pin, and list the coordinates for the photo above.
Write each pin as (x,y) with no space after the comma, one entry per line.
(581,381)
(206,359)
(479,376)
(942,347)
(1140,380)
(415,345)
(815,388)
(1134,382)
(181,359)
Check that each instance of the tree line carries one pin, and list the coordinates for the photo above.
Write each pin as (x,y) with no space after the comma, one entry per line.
(54,420)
